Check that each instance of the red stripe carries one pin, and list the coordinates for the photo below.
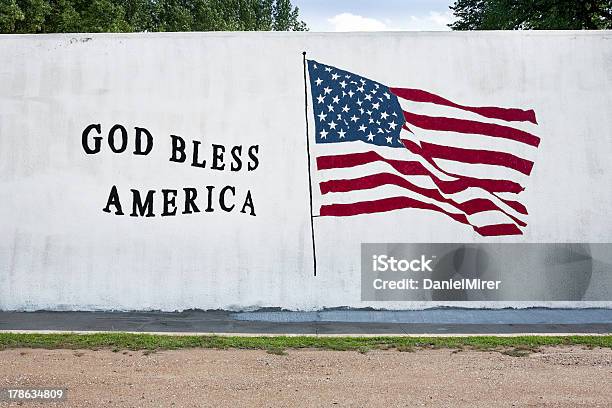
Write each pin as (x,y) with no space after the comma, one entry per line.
(464,182)
(471,127)
(396,203)
(497,230)
(413,168)
(477,157)
(507,114)
(376,180)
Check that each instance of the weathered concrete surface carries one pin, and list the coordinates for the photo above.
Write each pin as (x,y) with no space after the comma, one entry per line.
(441,321)
(557,377)
(60,251)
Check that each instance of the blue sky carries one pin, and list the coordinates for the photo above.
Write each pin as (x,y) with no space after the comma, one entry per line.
(375,15)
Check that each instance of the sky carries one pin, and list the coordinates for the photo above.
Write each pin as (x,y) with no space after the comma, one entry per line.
(375,15)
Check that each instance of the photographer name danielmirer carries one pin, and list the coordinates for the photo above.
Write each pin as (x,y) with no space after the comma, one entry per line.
(449,284)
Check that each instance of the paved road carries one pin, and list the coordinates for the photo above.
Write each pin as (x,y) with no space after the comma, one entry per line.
(432,321)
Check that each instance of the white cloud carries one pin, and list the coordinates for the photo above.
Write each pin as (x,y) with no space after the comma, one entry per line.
(434,21)
(352,22)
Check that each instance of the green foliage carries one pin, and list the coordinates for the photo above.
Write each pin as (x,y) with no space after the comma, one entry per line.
(532,14)
(93,16)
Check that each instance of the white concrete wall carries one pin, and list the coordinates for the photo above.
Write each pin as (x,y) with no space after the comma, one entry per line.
(59,250)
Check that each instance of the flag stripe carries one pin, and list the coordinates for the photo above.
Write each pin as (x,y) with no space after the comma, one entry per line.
(396,203)
(471,127)
(469,207)
(507,114)
(477,157)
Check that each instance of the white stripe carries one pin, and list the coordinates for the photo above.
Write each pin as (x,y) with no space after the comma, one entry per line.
(431,109)
(389,191)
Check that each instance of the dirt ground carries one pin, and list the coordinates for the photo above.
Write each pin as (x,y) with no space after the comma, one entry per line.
(559,377)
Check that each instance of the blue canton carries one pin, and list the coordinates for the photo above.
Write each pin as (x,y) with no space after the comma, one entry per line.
(349,107)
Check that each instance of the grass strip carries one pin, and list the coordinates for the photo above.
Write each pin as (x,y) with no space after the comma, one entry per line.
(130,341)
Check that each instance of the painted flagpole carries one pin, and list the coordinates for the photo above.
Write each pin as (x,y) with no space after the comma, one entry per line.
(314,252)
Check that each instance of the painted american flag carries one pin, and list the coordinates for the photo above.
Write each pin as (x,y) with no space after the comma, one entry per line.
(380,148)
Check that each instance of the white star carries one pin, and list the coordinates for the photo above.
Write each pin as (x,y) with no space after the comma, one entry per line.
(330,108)
(359,101)
(376,105)
(370,137)
(343,84)
(319,81)
(327,90)
(347,76)
(369,112)
(389,139)
(320,98)
(384,115)
(368,97)
(361,111)
(322,116)
(328,69)
(392,125)
(354,118)
(335,76)
(351,93)
(341,133)
(315,66)
(323,134)
(360,89)
(387,95)
(380,130)
(376,85)
(371,120)
(362,81)
(339,117)
(362,128)
(345,109)
(374,91)
(336,99)
(332,125)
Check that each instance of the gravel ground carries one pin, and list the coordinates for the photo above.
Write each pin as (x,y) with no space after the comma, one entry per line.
(559,377)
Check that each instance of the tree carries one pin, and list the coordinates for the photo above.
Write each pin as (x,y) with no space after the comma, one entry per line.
(53,16)
(532,14)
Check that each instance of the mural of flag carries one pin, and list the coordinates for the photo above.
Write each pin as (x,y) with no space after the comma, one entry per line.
(380,148)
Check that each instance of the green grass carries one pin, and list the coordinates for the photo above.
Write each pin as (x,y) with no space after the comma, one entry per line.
(277,344)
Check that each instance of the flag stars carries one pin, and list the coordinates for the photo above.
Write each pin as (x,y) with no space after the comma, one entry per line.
(374,117)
